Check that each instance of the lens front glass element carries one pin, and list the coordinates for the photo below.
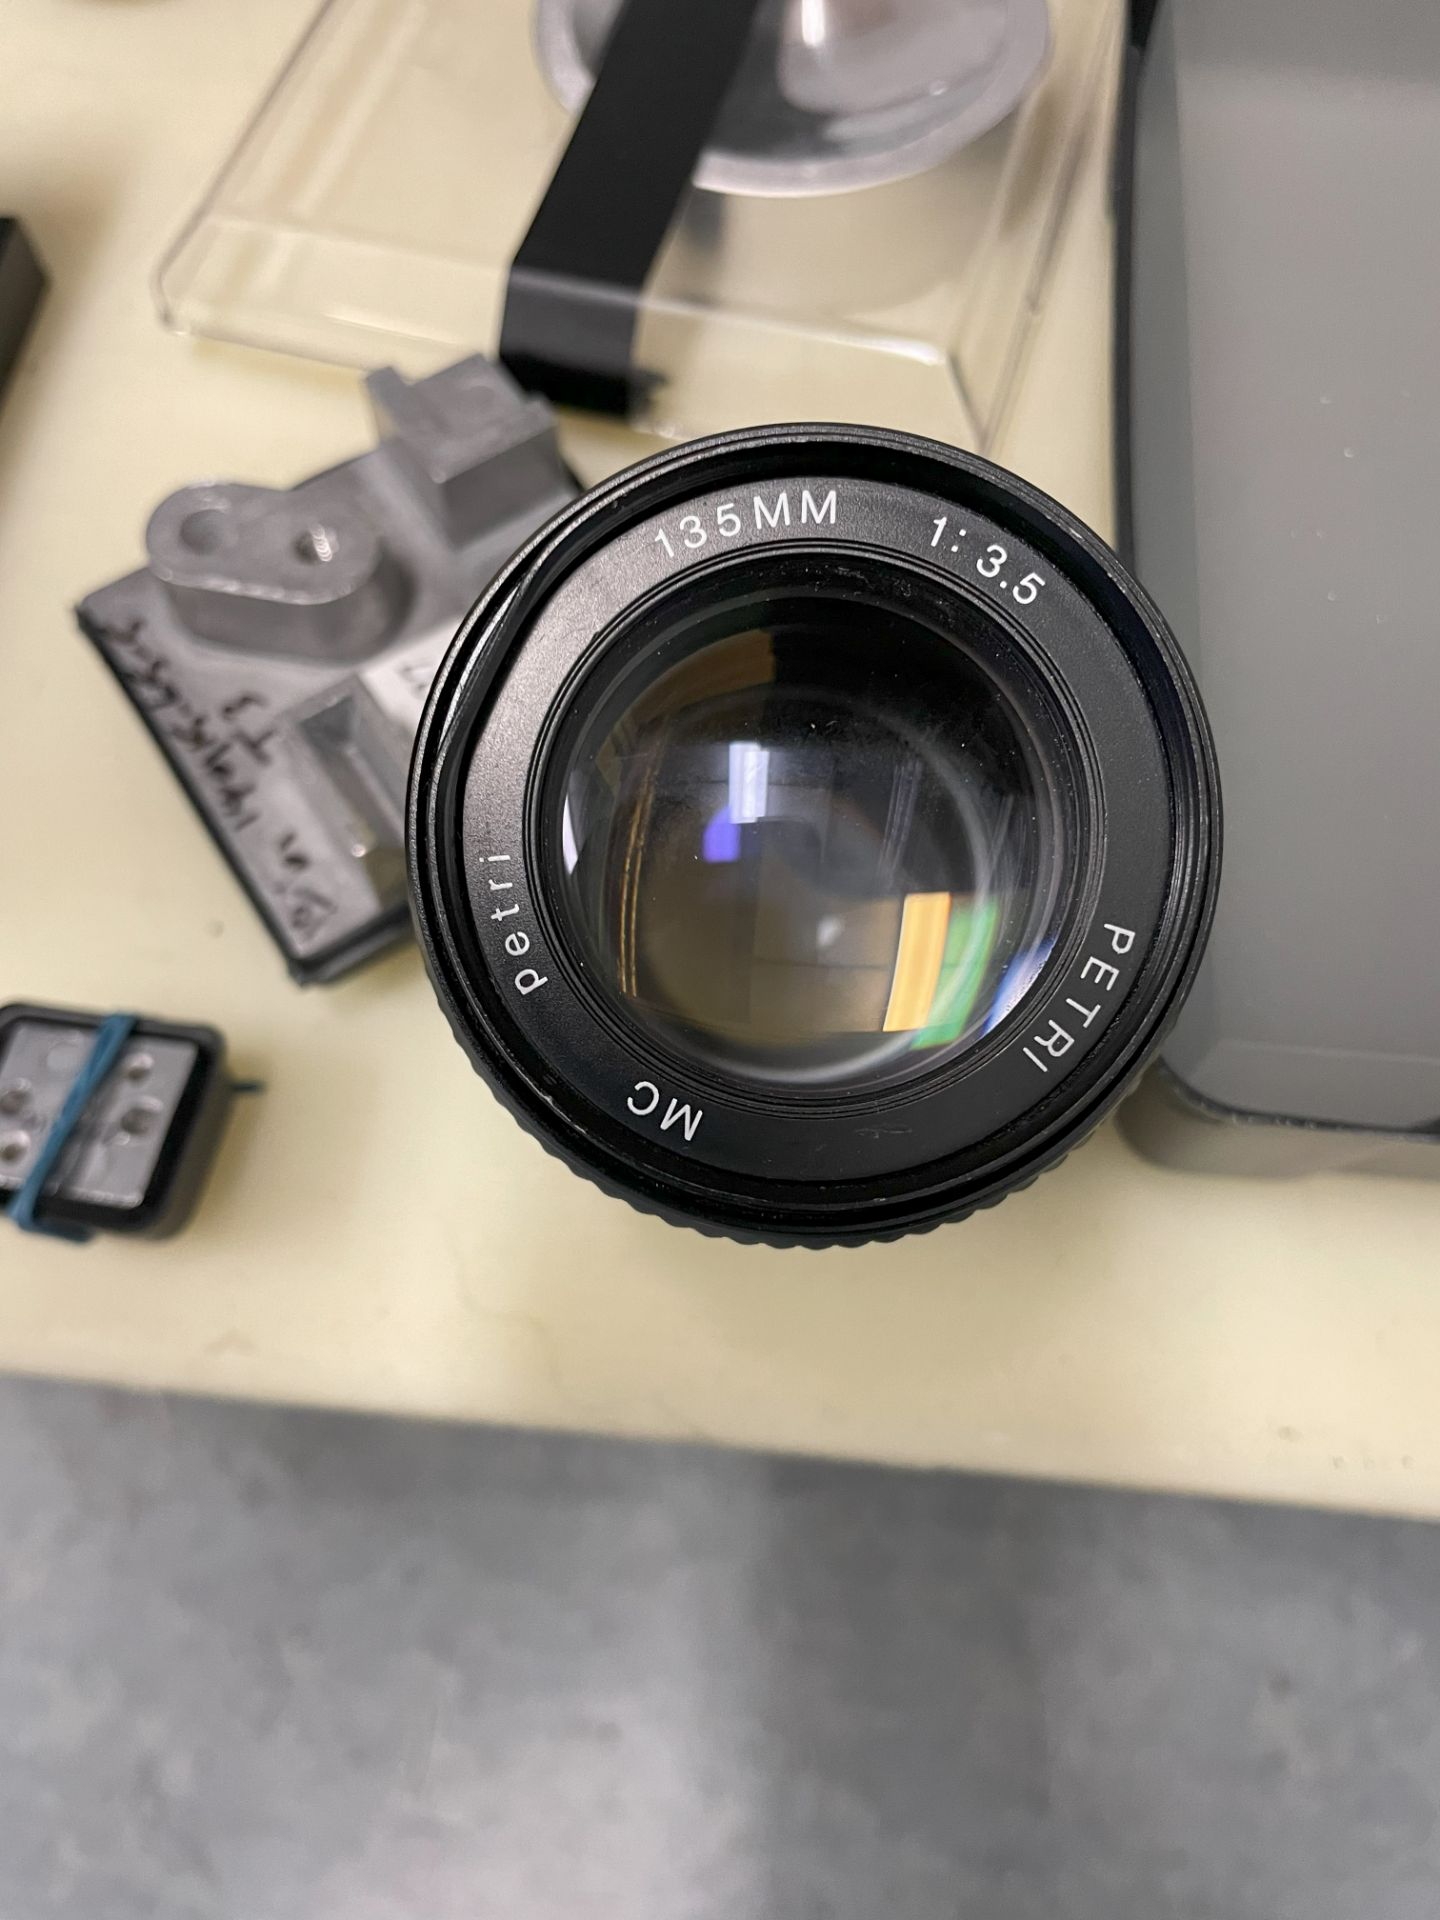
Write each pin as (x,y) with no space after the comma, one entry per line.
(812,841)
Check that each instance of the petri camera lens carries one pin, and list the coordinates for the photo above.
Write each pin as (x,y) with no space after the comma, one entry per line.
(811,841)
(812,833)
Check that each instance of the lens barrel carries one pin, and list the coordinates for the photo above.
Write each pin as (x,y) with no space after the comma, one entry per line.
(812,833)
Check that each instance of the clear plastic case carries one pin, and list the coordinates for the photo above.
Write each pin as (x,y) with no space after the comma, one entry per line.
(370,211)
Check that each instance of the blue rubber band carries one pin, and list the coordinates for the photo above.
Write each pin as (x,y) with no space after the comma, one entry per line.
(110,1037)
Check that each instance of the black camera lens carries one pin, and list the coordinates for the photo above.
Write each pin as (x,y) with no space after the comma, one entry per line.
(812,833)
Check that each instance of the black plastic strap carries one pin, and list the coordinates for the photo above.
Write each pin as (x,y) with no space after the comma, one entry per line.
(572,299)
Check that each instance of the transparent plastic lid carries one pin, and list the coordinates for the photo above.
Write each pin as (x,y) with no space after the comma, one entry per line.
(372,207)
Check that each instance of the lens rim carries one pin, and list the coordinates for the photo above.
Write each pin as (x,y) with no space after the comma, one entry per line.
(474,785)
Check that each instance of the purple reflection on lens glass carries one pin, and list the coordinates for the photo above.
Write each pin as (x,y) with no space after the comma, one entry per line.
(1016,981)
(721,839)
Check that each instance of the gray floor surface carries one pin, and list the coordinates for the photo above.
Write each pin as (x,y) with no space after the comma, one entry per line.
(271,1665)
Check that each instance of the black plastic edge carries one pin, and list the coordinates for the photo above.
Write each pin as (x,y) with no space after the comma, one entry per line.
(1140,20)
(22,287)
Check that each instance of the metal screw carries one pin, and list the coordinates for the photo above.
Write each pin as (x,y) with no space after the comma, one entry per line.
(317,546)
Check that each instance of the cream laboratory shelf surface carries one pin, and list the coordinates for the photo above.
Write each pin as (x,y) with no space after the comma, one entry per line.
(378,1234)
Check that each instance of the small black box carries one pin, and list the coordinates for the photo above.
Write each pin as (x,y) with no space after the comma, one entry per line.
(135,1158)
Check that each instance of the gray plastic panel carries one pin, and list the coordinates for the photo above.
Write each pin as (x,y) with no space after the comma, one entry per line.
(1286,466)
